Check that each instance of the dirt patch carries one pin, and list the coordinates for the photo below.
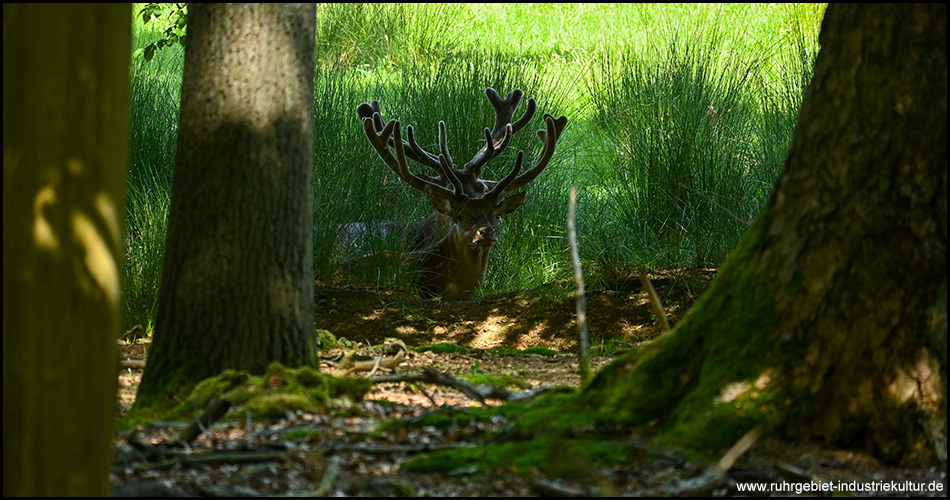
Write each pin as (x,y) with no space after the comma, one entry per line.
(344,455)
(618,317)
(545,317)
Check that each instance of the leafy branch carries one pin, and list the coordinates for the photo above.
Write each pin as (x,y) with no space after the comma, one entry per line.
(175,15)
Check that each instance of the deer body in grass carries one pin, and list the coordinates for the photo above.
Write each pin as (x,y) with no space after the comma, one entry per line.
(454,266)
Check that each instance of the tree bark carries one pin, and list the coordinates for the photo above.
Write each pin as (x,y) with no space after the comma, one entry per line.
(65,130)
(829,320)
(237,283)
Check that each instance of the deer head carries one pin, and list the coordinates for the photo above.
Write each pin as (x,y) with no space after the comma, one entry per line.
(455,266)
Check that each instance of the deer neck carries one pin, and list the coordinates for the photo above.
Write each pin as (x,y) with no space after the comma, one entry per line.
(456,265)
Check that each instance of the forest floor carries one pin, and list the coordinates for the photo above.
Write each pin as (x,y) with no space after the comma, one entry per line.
(347,453)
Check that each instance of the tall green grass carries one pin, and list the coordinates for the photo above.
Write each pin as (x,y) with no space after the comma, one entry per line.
(679,120)
(678,183)
(695,133)
(389,35)
(155,96)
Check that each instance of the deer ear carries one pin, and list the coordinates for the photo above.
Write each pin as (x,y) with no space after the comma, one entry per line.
(441,203)
(511,203)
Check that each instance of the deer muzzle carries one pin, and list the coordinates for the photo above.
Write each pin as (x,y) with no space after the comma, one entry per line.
(485,236)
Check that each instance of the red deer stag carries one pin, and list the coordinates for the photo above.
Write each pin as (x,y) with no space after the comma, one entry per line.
(454,267)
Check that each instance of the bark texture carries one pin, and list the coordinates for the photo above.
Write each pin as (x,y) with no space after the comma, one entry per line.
(858,242)
(829,320)
(65,130)
(237,283)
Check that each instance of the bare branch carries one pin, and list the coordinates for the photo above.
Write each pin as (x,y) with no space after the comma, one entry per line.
(584,361)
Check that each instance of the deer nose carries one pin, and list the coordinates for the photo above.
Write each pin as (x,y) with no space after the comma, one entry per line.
(486,234)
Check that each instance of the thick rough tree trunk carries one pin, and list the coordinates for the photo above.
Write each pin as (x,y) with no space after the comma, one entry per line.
(237,283)
(65,130)
(829,320)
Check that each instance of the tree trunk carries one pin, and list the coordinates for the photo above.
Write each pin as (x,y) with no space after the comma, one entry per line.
(65,130)
(237,283)
(829,320)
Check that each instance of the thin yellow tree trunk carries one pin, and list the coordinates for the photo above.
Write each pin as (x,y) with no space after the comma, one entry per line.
(65,129)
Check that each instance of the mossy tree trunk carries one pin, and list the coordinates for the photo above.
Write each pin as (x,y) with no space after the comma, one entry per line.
(237,283)
(829,320)
(65,130)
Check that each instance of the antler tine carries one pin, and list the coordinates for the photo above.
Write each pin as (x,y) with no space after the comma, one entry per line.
(511,175)
(526,117)
(397,163)
(445,167)
(505,110)
(413,150)
(420,155)
(491,148)
(367,110)
(373,111)
(444,147)
(498,139)
(449,173)
(549,138)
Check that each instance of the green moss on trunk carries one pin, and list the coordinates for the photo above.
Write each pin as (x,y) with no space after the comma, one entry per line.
(266,396)
(711,379)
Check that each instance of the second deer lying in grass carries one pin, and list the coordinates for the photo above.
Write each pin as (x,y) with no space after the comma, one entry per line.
(455,265)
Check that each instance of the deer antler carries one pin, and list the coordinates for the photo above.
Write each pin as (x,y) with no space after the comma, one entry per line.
(500,136)
(463,182)
(372,110)
(390,134)
(411,148)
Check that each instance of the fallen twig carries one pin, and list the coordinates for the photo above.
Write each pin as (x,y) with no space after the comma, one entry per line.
(215,411)
(478,392)
(714,476)
(329,477)
(132,363)
(389,449)
(219,457)
(394,355)
(550,488)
